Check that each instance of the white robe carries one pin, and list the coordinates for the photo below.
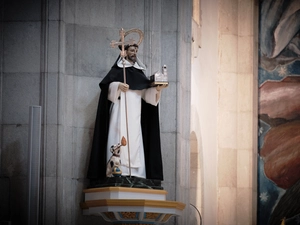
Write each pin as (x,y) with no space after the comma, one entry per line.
(117,126)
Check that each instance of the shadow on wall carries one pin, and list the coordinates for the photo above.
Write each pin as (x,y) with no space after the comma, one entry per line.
(14,183)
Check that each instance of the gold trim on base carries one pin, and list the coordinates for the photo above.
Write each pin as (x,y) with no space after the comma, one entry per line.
(125,189)
(134,202)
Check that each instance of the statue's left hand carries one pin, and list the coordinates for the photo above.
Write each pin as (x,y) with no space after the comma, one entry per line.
(161,86)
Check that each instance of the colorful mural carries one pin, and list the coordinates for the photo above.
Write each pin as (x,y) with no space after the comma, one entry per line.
(279,113)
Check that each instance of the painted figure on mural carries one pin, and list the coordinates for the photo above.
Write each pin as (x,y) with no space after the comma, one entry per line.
(279,78)
(128,109)
(279,33)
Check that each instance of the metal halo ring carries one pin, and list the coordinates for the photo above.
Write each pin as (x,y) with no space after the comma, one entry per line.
(141,34)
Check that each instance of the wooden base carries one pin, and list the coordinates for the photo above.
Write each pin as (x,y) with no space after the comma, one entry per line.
(121,205)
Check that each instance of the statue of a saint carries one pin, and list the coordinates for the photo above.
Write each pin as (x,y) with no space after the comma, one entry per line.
(128,108)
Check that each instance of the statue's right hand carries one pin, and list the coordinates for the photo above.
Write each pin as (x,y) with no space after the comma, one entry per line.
(123,87)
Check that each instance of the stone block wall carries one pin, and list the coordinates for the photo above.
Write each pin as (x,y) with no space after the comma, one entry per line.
(54,53)
(223,111)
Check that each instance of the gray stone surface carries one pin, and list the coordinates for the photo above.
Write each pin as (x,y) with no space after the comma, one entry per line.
(52,98)
(66,82)
(18,10)
(50,200)
(20,90)
(50,152)
(4,198)
(53,6)
(14,147)
(129,14)
(18,201)
(53,46)
(82,143)
(88,53)
(167,109)
(183,106)
(69,143)
(169,53)
(67,199)
(68,100)
(171,188)
(85,101)
(168,145)
(169,17)
(22,47)
(87,13)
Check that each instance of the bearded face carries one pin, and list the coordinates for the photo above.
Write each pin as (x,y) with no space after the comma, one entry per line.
(131,54)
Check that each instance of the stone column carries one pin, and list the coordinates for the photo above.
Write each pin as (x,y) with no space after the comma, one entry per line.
(184,40)
(237,112)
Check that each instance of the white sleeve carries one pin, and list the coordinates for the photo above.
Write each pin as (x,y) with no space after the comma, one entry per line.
(151,96)
(113,92)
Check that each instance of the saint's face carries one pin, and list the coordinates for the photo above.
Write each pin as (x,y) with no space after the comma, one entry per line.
(131,54)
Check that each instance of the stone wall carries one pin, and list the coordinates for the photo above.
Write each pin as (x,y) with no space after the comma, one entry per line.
(223,111)
(54,53)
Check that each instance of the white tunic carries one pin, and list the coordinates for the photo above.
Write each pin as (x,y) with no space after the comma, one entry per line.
(117,126)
